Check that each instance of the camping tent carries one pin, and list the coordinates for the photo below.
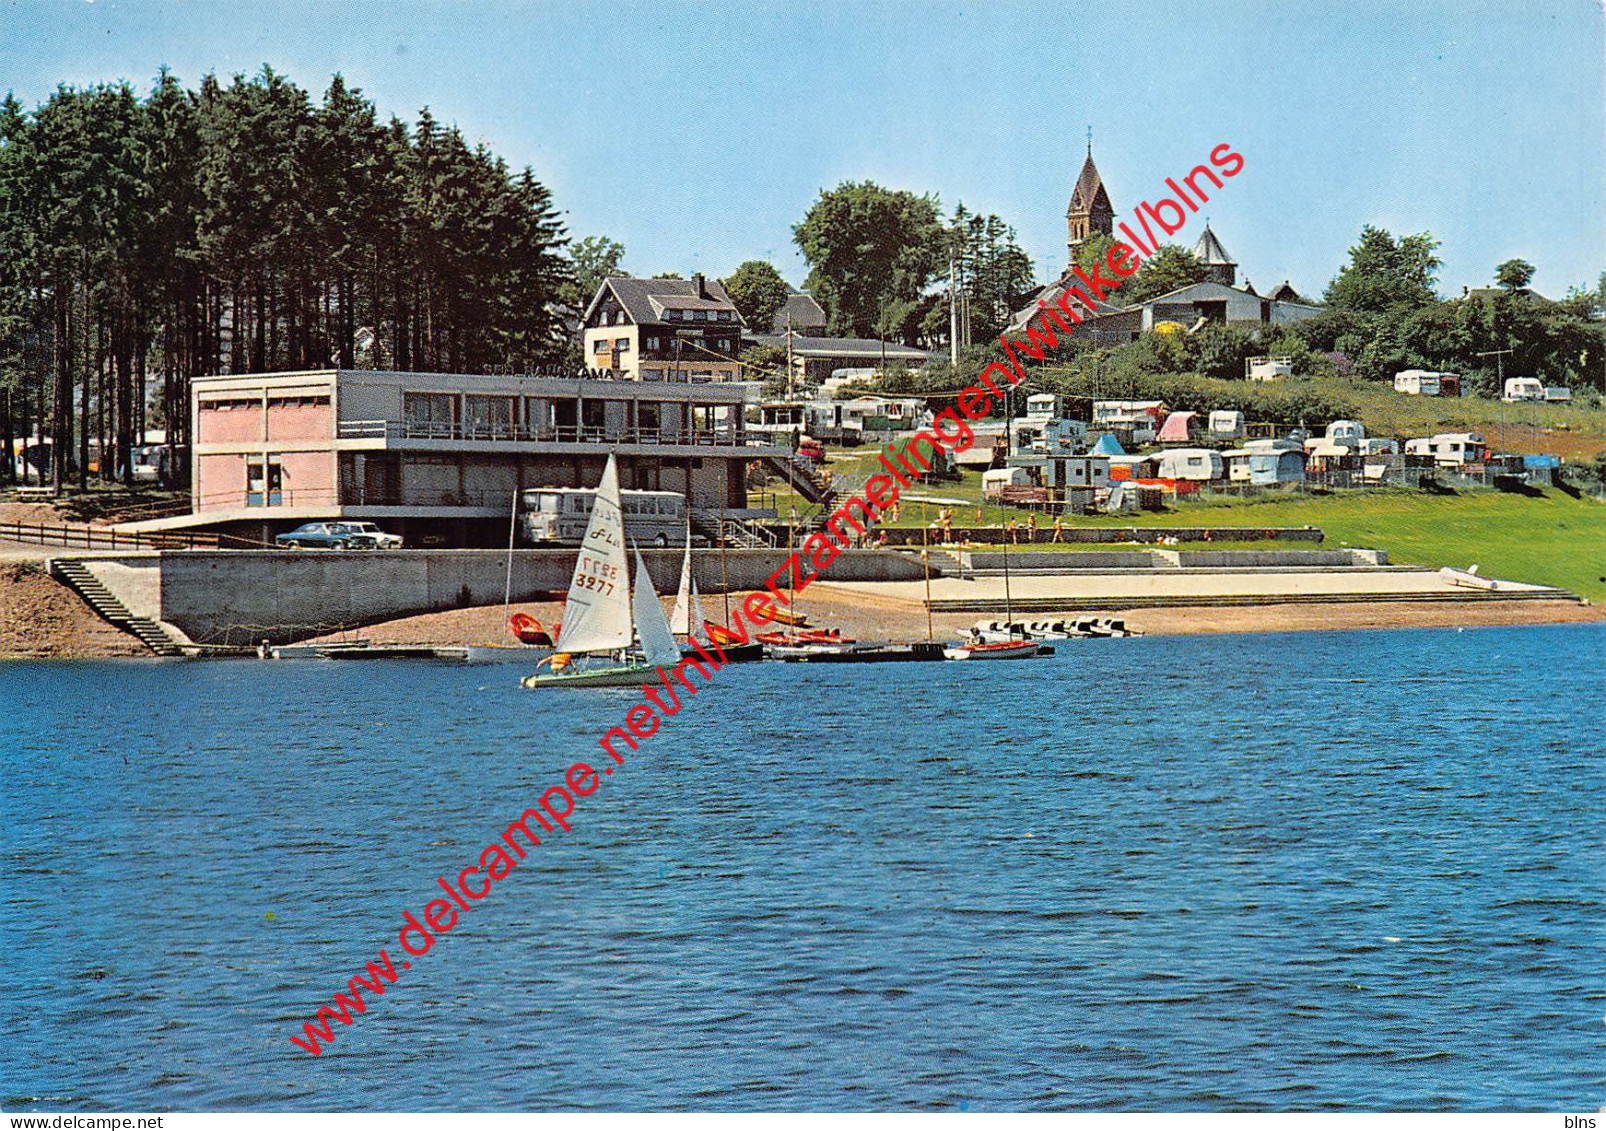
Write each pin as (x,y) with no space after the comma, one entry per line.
(1108,445)
(1177,428)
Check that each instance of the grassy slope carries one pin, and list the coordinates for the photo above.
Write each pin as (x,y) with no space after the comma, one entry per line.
(1566,430)
(1551,539)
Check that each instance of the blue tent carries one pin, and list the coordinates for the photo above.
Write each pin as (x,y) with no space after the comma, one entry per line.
(1108,445)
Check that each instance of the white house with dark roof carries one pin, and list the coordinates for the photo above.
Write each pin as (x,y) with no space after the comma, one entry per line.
(664,330)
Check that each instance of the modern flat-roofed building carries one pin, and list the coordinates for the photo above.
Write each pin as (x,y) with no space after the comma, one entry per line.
(437,457)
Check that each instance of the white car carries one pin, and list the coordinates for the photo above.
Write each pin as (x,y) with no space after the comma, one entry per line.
(368,536)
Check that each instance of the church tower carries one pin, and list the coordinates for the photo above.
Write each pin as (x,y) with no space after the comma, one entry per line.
(1210,252)
(1090,211)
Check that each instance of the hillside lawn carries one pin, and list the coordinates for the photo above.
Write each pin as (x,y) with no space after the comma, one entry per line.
(1549,537)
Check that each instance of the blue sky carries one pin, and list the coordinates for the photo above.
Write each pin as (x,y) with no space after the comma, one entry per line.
(698,133)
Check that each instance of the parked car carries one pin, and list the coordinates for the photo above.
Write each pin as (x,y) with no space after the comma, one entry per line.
(339,536)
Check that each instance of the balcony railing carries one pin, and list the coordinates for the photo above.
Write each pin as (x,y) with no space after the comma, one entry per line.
(557,433)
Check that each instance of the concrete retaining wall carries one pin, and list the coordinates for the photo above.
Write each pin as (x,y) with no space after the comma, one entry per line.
(236,596)
(1064,560)
(912,536)
(1252,559)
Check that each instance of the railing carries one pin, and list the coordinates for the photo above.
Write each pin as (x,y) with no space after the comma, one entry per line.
(557,433)
(89,537)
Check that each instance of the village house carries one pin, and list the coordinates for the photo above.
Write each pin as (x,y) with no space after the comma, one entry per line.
(664,330)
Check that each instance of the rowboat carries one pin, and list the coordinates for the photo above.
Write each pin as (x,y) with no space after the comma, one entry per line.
(603,615)
(997,650)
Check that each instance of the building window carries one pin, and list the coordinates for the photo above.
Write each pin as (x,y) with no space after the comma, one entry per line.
(622,345)
(724,316)
(655,343)
(618,318)
(594,415)
(489,416)
(264,482)
(600,346)
(649,417)
(432,414)
(699,315)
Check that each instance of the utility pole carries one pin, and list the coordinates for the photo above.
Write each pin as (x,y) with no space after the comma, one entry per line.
(953,314)
(1500,387)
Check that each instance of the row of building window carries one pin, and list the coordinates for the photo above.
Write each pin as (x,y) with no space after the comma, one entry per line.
(617,317)
(655,343)
(480,411)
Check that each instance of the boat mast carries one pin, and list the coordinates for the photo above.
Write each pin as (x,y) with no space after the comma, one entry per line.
(925,556)
(1009,610)
(507,589)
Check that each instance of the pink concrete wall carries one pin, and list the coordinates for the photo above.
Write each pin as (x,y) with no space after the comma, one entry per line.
(233,425)
(299,422)
(219,481)
(308,478)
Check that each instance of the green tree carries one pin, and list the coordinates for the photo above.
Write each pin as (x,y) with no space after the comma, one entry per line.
(1384,276)
(868,247)
(759,293)
(592,260)
(1169,268)
(1514,274)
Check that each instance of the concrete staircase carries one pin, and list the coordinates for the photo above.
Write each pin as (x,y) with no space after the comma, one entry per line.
(802,474)
(77,577)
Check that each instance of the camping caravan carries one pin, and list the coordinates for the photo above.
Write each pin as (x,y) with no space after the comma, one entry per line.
(1271,466)
(1454,449)
(1339,434)
(1237,464)
(1226,424)
(996,479)
(1134,422)
(1198,464)
(1423,383)
(1524,389)
(1449,449)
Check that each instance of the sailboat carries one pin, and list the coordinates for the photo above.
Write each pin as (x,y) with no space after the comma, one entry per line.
(688,622)
(603,615)
(1014,646)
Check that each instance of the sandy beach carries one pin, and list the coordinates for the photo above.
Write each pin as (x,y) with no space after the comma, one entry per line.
(869,616)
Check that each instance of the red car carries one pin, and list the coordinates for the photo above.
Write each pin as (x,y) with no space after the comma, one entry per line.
(811,449)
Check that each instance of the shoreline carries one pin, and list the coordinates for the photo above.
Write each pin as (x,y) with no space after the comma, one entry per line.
(40,619)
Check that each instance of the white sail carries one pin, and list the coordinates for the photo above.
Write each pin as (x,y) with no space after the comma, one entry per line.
(657,642)
(680,619)
(699,621)
(596,616)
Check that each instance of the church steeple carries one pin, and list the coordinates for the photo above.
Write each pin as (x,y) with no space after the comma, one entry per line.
(1090,210)
(1210,252)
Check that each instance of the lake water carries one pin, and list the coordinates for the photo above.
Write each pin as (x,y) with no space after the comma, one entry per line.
(1320,871)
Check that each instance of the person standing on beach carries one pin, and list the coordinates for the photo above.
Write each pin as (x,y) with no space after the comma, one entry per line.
(1059,528)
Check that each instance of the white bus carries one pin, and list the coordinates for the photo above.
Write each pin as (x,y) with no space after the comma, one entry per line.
(558,516)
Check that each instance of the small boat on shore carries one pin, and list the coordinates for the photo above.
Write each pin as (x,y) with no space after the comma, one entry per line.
(1058,629)
(996,650)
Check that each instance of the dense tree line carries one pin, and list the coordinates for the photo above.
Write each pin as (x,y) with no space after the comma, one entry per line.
(242,227)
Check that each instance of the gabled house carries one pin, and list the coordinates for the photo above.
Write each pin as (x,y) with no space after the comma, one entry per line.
(801,315)
(664,330)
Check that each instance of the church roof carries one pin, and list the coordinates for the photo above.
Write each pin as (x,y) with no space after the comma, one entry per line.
(1089,191)
(1210,252)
